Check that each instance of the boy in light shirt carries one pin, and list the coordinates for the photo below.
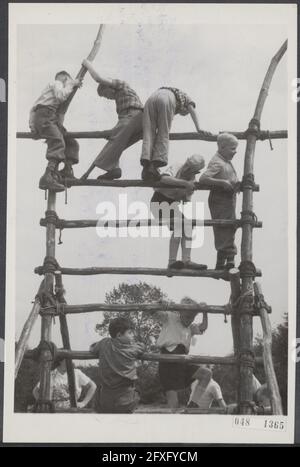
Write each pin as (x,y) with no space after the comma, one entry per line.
(46,122)
(205,390)
(221,176)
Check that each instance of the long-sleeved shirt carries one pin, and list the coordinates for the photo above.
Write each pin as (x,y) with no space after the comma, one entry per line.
(55,94)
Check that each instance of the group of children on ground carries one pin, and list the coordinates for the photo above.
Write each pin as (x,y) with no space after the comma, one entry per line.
(118,355)
(152,122)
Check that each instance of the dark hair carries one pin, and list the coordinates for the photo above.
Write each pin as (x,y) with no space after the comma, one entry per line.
(62,73)
(120,325)
(56,363)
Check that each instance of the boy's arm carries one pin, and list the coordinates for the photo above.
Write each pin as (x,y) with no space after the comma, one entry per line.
(208,178)
(222,403)
(95,75)
(195,119)
(94,348)
(171,181)
(62,92)
(200,328)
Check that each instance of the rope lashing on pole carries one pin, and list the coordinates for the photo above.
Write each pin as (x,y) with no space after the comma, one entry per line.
(248,217)
(50,265)
(247,269)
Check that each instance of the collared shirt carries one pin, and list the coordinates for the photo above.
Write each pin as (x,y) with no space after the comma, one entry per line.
(126,98)
(54,94)
(205,397)
(173,332)
(222,169)
(176,194)
(182,101)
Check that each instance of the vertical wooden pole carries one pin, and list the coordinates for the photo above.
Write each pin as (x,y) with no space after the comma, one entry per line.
(235,285)
(267,355)
(46,326)
(247,292)
(66,341)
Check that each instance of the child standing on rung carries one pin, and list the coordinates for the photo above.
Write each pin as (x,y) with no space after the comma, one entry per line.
(221,176)
(46,121)
(158,115)
(128,129)
(179,181)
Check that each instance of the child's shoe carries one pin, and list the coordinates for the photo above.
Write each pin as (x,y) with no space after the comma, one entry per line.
(111,174)
(150,174)
(49,181)
(229,265)
(192,265)
(220,265)
(66,172)
(176,265)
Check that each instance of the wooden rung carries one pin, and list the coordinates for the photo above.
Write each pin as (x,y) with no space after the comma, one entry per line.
(154,357)
(84,223)
(209,273)
(263,135)
(148,307)
(198,411)
(125,183)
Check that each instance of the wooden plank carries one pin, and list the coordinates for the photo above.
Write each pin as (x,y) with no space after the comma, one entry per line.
(242,135)
(209,273)
(155,357)
(128,223)
(147,307)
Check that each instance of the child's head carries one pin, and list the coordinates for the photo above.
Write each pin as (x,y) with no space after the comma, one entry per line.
(187,316)
(122,329)
(227,144)
(203,375)
(62,76)
(193,165)
(60,364)
(106,91)
(262,396)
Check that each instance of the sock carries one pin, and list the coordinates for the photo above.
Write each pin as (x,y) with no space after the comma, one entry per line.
(186,249)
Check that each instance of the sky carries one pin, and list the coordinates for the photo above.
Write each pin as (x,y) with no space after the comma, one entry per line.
(221,67)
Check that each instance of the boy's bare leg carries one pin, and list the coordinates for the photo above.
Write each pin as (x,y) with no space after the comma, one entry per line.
(87,173)
(186,254)
(172,398)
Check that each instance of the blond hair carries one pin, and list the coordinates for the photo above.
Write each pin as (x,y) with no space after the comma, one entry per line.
(224,139)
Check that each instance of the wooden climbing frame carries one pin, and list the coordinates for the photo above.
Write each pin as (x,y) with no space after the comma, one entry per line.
(242,280)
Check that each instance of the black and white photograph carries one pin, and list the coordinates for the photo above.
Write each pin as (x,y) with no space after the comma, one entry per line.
(151,223)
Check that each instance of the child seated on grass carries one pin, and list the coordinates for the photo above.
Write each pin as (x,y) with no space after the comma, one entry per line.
(205,390)
(117,365)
